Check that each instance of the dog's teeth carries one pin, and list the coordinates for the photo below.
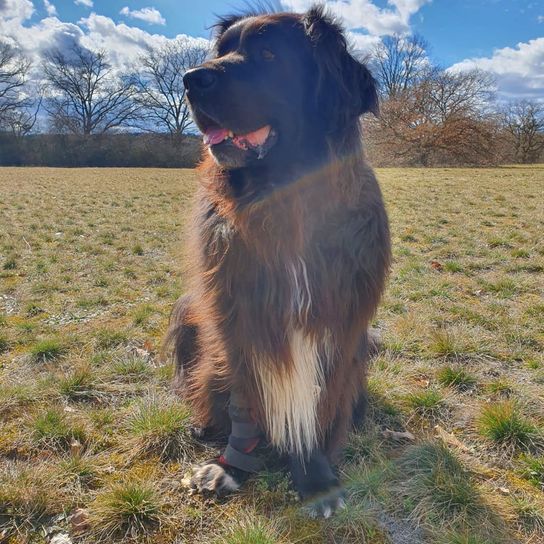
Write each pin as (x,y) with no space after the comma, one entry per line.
(231,134)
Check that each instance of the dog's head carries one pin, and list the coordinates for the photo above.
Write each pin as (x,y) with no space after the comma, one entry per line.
(277,87)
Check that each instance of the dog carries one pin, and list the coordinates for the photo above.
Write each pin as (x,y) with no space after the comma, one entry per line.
(289,249)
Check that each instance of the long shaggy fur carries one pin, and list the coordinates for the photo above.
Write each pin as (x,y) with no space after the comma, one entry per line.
(288,265)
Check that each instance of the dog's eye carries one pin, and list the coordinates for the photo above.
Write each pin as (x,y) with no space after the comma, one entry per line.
(266,54)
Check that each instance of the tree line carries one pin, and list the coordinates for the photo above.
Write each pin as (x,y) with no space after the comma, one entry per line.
(76,108)
(95,114)
(432,116)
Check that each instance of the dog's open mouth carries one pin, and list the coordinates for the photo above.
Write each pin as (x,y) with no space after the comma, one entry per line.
(259,141)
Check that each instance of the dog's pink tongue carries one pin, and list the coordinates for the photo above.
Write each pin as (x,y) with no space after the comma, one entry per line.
(254,139)
(215,135)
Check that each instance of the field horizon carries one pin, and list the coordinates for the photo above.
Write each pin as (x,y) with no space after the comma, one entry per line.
(95,447)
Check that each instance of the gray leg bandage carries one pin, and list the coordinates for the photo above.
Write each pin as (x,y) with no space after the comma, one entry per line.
(244,436)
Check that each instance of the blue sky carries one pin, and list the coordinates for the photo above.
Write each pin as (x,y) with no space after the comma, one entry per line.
(505,37)
(456,29)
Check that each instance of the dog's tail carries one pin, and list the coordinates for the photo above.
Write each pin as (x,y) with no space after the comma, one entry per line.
(181,341)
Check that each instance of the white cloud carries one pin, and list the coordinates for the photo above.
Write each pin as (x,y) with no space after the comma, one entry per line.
(519,70)
(362,44)
(35,38)
(149,15)
(18,10)
(86,3)
(364,14)
(50,8)
(47,34)
(124,43)
(540,18)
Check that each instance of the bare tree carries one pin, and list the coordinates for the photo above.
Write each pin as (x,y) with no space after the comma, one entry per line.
(159,83)
(14,67)
(457,94)
(21,121)
(86,96)
(443,119)
(524,121)
(397,63)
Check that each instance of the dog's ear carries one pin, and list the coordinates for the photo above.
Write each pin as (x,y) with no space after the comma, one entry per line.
(224,22)
(345,87)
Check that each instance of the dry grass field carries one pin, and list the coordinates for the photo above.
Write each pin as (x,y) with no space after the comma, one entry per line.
(94,447)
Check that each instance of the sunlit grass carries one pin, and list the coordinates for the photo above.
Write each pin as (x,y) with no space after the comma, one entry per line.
(90,264)
(128,508)
(504,424)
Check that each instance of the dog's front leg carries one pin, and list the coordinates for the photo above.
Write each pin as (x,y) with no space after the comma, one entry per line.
(227,472)
(316,483)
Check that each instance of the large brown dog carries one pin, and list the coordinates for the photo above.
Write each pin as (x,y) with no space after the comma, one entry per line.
(290,246)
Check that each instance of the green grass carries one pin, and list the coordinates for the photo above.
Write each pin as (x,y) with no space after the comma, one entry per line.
(132,367)
(10,264)
(142,314)
(87,417)
(52,428)
(256,530)
(161,426)
(106,338)
(533,469)
(47,350)
(440,493)
(427,403)
(129,508)
(79,384)
(456,377)
(445,343)
(29,496)
(504,424)
(530,517)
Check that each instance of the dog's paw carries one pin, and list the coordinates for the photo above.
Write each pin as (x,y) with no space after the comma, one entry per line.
(326,504)
(213,477)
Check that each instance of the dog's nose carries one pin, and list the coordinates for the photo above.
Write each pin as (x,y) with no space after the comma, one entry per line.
(200,79)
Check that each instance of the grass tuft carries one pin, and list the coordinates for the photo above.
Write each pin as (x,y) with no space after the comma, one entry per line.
(370,484)
(107,338)
(445,343)
(356,524)
(137,249)
(530,516)
(456,377)
(160,426)
(438,491)
(254,530)
(128,508)
(427,403)
(10,263)
(52,429)
(79,384)
(29,495)
(132,367)
(499,387)
(464,537)
(503,424)
(47,350)
(142,314)
(80,469)
(533,469)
